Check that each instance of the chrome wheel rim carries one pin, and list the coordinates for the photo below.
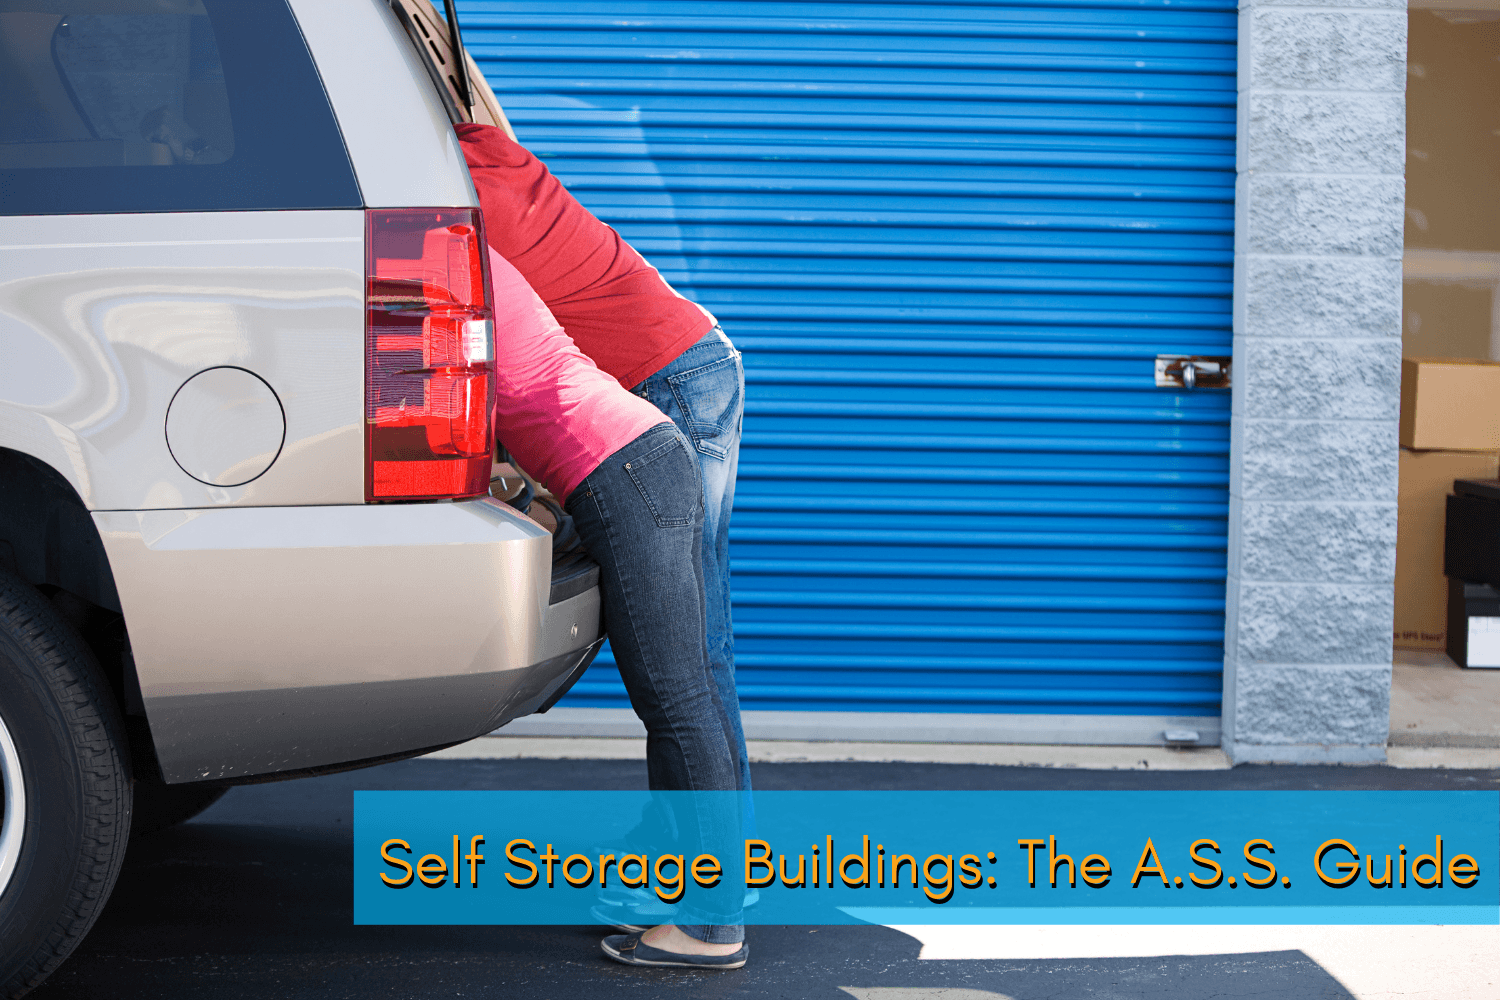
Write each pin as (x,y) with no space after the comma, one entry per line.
(13,804)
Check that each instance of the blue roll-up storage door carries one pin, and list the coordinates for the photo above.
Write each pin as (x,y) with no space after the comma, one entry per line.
(950,240)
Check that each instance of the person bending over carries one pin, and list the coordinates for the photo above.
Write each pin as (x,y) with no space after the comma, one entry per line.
(627,476)
(622,315)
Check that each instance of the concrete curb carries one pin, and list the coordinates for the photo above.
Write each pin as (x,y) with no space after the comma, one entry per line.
(1000,755)
(819,751)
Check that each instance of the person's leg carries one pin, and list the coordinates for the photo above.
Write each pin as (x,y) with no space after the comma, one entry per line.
(640,515)
(703,392)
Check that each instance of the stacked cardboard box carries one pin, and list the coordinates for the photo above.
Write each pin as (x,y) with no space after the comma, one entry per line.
(1450,429)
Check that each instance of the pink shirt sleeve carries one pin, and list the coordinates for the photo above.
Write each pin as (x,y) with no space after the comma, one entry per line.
(555,411)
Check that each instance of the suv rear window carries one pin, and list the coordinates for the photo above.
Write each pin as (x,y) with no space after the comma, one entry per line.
(163,106)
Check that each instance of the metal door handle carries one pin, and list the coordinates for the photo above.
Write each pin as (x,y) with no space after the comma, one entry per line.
(1189,371)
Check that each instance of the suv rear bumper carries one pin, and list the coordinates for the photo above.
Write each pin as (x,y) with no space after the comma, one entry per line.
(271,639)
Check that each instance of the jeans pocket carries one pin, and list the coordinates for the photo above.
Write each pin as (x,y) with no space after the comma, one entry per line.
(712,401)
(667,478)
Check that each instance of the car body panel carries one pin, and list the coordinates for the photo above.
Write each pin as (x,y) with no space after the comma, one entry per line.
(395,127)
(292,731)
(281,638)
(106,317)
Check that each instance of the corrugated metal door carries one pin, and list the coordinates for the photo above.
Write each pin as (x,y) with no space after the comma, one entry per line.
(950,240)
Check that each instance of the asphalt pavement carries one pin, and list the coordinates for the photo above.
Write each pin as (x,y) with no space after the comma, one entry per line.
(254,899)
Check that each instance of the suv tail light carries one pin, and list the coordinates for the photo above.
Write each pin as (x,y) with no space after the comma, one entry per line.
(428,355)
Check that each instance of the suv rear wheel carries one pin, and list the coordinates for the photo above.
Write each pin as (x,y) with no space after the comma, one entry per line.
(64,788)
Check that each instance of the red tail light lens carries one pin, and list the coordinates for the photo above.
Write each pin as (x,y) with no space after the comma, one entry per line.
(428,355)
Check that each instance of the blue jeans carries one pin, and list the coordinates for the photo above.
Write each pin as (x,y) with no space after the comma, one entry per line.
(703,392)
(640,515)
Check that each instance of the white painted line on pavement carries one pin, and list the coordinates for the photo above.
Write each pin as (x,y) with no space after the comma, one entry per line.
(1412,962)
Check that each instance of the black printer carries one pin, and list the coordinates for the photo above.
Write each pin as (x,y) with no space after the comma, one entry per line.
(1471,561)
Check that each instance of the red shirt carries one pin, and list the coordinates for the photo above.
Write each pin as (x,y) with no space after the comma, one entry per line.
(614,305)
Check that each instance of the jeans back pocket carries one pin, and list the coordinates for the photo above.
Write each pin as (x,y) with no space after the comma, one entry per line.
(712,400)
(667,478)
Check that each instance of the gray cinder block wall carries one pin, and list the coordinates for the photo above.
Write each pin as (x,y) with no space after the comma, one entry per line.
(1317,345)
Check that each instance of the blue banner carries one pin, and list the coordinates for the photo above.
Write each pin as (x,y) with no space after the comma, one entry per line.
(904,857)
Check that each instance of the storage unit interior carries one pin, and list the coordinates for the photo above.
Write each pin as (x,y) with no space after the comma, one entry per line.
(1452,270)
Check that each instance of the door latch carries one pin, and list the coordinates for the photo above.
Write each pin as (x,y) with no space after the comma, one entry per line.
(1192,371)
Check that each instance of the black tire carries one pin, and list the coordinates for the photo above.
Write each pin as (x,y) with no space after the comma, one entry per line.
(159,805)
(67,741)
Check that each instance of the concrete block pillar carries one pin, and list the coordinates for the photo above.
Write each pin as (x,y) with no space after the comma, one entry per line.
(1317,346)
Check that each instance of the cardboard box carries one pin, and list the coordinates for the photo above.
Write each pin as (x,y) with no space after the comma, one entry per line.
(1421,589)
(1450,404)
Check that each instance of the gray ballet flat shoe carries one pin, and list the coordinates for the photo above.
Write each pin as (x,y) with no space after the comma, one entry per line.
(629,950)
